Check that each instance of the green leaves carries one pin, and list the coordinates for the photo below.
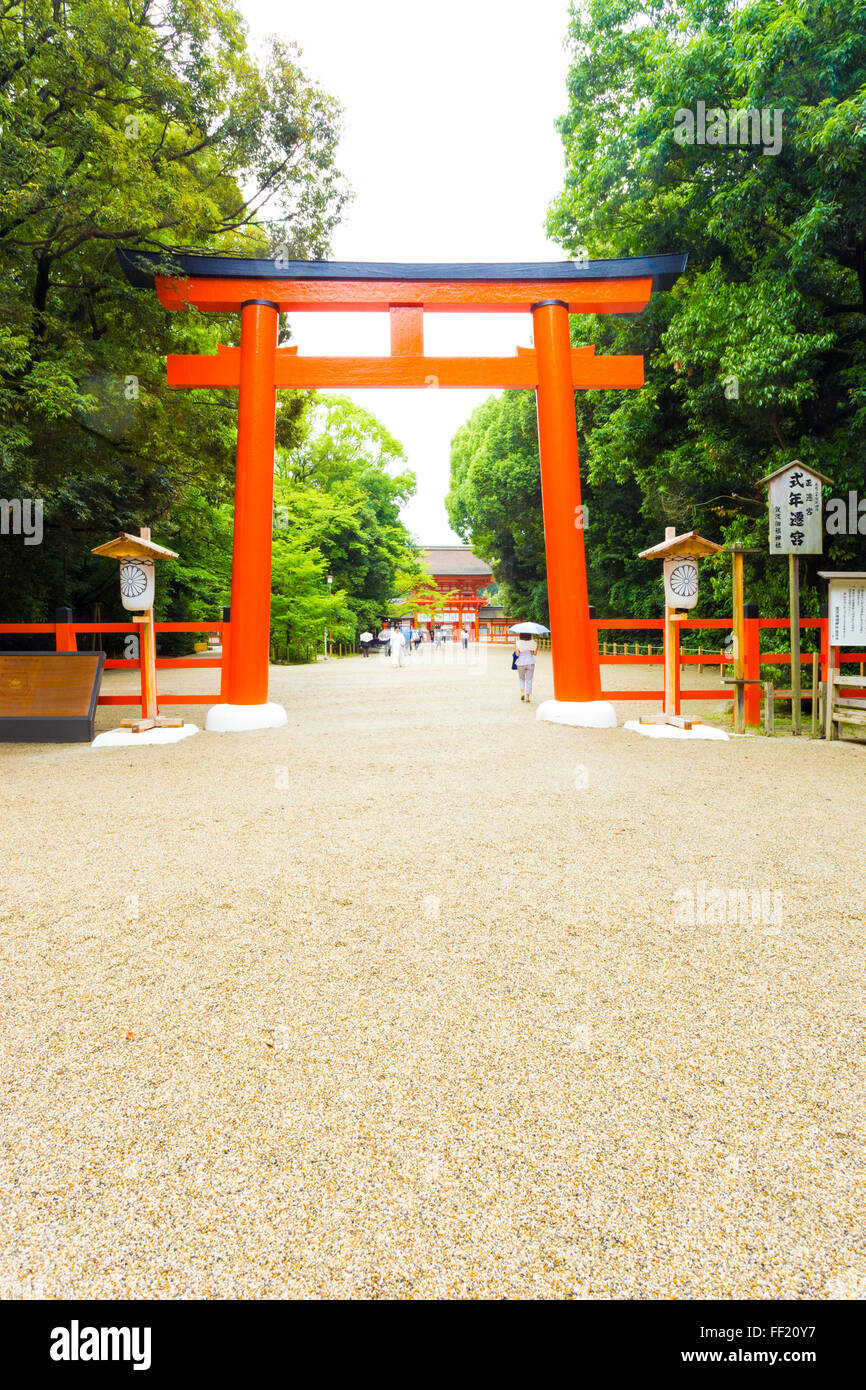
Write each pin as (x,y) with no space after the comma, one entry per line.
(759,353)
(153,126)
(337,511)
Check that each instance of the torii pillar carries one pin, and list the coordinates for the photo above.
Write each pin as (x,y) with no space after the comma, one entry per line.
(576,673)
(249,644)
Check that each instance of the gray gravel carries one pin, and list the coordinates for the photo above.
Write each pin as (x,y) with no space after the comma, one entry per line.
(403,1000)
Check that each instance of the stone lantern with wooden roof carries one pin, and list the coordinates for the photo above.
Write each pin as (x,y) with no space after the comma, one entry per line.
(679,556)
(137,585)
(137,573)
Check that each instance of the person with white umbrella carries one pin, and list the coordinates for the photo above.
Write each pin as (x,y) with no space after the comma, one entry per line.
(526,650)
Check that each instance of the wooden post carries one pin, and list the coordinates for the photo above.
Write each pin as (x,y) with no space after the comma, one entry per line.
(700,663)
(794,587)
(769,713)
(821,698)
(825,639)
(671,664)
(147,663)
(64,631)
(147,654)
(814,694)
(225,638)
(752,664)
(739,625)
(829,692)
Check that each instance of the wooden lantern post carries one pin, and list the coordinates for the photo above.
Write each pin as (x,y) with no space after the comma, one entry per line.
(680,555)
(795,529)
(739,680)
(137,580)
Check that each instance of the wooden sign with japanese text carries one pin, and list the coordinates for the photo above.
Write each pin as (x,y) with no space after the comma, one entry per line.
(795,513)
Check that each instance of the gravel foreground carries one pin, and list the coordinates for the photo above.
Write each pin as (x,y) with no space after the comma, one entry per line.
(418,997)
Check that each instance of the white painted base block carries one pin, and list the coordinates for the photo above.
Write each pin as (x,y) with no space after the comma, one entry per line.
(125,738)
(671,730)
(232,719)
(582,714)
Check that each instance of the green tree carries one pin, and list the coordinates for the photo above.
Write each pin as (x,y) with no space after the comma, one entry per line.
(149,126)
(758,355)
(494,503)
(337,494)
(301,606)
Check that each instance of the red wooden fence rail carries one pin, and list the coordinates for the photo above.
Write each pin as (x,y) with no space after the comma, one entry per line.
(754,658)
(66,640)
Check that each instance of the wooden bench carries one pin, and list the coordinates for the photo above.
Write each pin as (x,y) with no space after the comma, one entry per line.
(49,697)
(840,708)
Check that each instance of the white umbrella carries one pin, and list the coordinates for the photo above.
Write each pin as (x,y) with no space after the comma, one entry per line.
(366,637)
(529,627)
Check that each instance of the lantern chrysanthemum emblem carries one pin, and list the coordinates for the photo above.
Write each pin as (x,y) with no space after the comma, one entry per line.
(684,579)
(681,581)
(137,575)
(133,580)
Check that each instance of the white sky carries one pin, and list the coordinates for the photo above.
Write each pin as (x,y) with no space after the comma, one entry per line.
(451,149)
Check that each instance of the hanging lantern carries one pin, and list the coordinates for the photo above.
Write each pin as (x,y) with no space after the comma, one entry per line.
(137,583)
(681,581)
(137,570)
(679,556)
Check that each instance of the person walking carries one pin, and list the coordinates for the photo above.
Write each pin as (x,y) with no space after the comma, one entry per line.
(526,648)
(465,638)
(396,645)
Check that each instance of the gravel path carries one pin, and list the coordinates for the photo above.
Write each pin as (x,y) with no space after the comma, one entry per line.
(419,997)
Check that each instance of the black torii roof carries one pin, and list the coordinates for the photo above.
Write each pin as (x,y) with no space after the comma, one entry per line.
(140,267)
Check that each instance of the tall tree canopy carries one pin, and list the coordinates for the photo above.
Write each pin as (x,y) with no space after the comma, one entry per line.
(149,125)
(758,355)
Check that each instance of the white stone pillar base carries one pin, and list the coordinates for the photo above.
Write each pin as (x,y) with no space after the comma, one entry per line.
(583,714)
(239,718)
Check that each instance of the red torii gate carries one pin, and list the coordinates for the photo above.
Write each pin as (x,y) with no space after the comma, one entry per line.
(261,290)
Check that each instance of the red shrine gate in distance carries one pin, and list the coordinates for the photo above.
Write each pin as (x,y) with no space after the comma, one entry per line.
(456,572)
(261,290)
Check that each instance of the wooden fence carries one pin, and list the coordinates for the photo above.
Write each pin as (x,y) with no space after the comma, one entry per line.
(65,635)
